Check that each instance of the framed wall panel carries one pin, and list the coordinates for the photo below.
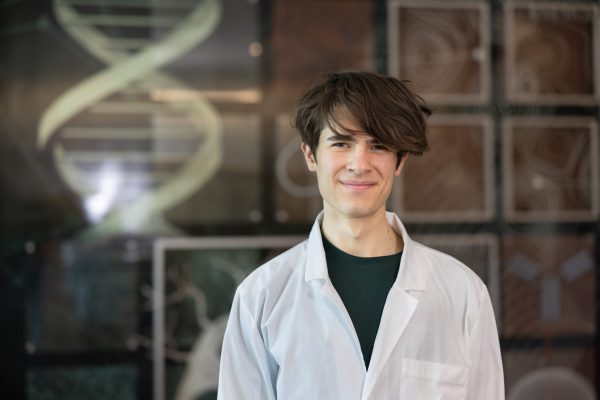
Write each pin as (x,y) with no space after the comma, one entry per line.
(548,285)
(552,52)
(454,180)
(442,47)
(550,168)
(83,298)
(194,280)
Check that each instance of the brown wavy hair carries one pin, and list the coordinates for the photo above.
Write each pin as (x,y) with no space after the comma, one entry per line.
(382,106)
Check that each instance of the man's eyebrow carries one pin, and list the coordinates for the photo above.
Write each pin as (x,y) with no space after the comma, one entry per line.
(338,136)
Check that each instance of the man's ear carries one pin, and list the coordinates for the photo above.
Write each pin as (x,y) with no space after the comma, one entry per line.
(401,164)
(309,157)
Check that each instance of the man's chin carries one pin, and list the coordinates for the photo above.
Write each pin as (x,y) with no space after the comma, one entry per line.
(358,212)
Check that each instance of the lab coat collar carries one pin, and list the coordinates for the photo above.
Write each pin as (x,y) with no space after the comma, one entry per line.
(410,277)
(316,264)
(400,304)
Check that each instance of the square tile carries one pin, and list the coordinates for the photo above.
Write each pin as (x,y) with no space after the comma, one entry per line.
(84,298)
(453,181)
(550,168)
(552,52)
(442,47)
(548,285)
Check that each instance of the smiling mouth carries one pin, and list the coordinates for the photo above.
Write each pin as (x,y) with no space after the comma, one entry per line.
(358,186)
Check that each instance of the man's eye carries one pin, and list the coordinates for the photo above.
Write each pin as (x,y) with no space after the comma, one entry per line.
(380,147)
(340,144)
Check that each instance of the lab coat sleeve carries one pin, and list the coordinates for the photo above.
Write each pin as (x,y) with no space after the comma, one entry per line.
(487,377)
(247,369)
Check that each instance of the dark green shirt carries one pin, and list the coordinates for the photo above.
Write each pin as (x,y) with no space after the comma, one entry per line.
(363,284)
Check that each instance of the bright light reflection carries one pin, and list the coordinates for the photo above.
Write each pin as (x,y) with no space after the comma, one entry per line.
(99,204)
(255,49)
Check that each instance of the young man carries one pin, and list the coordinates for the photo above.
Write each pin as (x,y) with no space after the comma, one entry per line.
(359,311)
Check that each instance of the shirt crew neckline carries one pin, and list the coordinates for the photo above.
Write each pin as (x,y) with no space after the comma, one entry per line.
(361,262)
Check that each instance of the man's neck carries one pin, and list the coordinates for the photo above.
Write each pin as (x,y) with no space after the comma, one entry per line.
(370,236)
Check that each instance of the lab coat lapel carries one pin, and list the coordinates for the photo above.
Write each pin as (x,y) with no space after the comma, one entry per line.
(399,308)
(316,269)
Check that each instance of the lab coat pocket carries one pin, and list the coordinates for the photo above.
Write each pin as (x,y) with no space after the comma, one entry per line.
(426,380)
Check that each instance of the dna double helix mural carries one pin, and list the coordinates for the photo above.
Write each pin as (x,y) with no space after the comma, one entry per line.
(133,140)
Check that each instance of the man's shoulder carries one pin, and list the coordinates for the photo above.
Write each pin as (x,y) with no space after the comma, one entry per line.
(277,272)
(443,267)
(451,283)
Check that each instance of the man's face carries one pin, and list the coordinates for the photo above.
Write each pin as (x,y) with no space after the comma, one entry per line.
(355,173)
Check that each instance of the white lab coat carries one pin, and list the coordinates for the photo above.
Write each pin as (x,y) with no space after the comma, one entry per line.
(289,336)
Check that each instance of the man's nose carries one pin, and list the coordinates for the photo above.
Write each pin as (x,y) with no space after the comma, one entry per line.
(359,161)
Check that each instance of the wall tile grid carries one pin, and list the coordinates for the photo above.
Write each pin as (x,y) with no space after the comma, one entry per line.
(524,159)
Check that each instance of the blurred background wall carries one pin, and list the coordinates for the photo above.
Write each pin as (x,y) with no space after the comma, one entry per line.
(146,150)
